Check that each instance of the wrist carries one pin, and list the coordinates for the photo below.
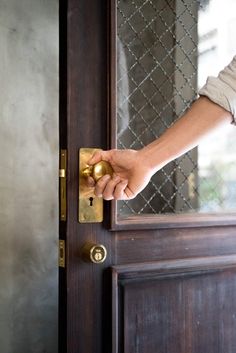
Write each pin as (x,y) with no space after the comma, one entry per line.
(155,155)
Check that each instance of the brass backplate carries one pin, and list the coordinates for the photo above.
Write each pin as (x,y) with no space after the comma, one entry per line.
(62,176)
(90,206)
(62,261)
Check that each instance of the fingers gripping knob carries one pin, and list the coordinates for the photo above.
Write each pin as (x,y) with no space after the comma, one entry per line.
(98,170)
(90,208)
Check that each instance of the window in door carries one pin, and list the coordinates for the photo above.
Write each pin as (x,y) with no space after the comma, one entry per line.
(165,51)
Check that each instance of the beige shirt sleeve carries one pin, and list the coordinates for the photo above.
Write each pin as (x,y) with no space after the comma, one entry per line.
(222,89)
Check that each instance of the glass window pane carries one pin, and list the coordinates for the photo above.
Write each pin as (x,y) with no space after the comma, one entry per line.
(165,51)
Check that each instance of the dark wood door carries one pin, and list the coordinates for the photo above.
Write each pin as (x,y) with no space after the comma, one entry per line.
(168,284)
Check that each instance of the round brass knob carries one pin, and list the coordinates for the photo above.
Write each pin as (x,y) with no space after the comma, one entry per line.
(98,170)
(95,253)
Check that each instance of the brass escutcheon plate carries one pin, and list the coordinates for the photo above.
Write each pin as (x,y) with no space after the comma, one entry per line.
(90,206)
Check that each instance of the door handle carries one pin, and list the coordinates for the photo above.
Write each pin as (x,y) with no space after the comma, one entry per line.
(98,170)
(90,206)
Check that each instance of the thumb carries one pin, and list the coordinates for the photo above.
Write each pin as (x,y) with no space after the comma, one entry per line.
(99,156)
(96,157)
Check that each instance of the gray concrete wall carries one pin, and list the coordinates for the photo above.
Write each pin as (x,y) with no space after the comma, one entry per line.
(28,175)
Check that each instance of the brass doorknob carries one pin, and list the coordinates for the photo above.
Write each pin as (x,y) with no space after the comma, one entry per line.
(95,253)
(98,170)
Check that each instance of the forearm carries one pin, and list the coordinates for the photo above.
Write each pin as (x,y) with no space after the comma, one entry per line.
(203,117)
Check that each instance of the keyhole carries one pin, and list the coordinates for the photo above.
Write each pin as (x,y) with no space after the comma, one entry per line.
(91,201)
(98,256)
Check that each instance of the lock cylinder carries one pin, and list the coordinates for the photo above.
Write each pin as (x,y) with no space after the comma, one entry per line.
(95,253)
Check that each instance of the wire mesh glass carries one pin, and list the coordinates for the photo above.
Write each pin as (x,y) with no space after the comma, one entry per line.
(157,80)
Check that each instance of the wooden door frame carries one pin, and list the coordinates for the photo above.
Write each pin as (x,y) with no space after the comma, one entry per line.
(84,110)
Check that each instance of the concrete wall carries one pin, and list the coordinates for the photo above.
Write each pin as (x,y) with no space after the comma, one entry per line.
(28,175)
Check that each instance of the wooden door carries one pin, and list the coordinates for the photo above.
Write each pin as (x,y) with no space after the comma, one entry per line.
(168,284)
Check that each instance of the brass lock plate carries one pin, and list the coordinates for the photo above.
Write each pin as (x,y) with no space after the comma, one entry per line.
(61,254)
(62,176)
(90,206)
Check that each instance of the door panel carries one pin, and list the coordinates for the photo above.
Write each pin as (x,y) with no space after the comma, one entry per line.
(175,306)
(163,273)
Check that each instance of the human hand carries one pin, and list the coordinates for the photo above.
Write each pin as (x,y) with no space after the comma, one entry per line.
(131,174)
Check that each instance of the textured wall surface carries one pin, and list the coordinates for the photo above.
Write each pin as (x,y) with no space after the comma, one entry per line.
(29,174)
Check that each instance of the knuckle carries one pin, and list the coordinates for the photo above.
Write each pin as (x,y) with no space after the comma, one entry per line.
(97,193)
(117,195)
(98,189)
(108,195)
(100,183)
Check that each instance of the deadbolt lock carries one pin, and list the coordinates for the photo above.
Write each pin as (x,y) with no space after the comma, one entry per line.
(95,253)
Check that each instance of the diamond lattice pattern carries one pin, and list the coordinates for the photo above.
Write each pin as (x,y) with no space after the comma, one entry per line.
(156,82)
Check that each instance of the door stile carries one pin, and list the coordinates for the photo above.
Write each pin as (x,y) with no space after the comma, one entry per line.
(115,314)
(83,115)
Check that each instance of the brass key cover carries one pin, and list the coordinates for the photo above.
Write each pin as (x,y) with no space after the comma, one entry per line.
(90,206)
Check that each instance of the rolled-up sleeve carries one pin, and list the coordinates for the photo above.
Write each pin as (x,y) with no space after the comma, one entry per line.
(222,89)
